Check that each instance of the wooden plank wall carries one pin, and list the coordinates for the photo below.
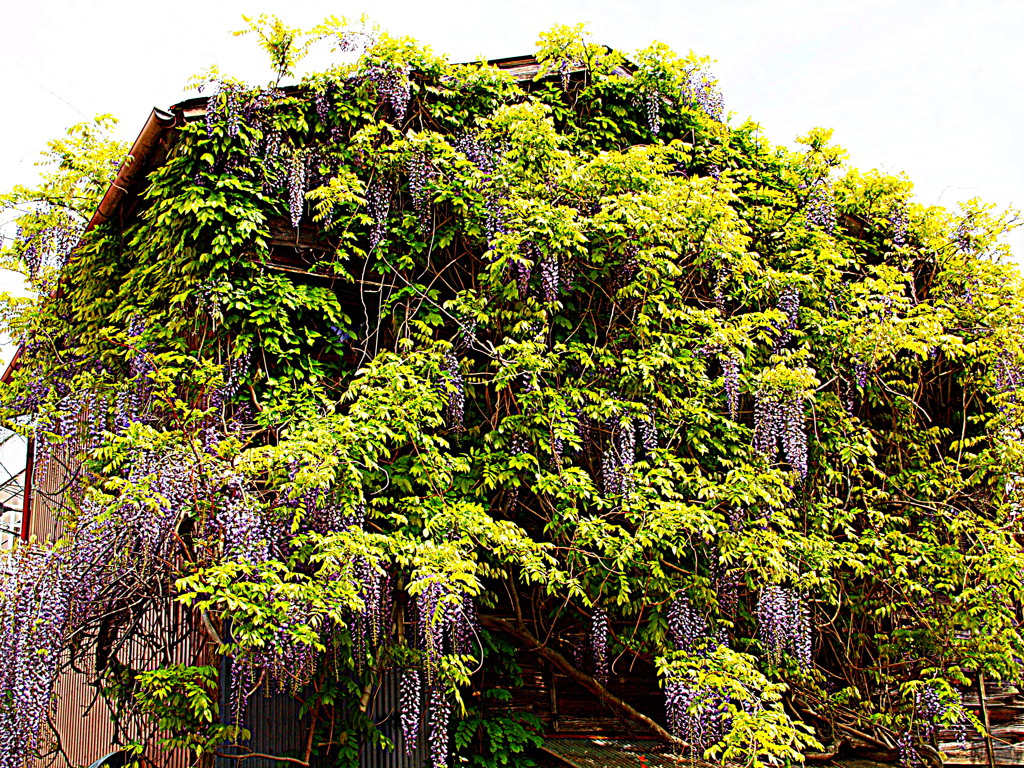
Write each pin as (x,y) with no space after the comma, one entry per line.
(1005,704)
(567,709)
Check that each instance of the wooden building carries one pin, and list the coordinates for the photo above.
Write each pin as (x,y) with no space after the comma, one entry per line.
(580,730)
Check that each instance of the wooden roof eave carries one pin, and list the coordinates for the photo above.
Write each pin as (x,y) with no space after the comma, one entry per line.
(129,175)
(133,168)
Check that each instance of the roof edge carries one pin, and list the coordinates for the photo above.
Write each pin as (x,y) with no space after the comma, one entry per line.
(158,122)
(157,125)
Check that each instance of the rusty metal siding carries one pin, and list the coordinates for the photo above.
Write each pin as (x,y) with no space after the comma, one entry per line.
(50,476)
(82,723)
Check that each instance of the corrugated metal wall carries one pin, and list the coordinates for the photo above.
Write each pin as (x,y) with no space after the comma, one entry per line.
(273,721)
(82,728)
(81,725)
(82,722)
(51,478)
(385,712)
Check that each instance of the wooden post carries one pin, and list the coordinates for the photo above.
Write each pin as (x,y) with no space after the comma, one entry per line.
(27,489)
(989,750)
(554,696)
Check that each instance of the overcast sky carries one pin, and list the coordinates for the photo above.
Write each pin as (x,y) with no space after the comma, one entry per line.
(930,87)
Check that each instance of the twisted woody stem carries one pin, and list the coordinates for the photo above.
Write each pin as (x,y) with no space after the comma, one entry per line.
(557,660)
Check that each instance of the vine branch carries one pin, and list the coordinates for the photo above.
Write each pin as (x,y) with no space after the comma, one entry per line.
(531,643)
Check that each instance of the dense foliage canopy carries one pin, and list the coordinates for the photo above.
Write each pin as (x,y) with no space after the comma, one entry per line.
(566,358)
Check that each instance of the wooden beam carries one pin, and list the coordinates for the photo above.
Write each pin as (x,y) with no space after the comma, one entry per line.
(990,752)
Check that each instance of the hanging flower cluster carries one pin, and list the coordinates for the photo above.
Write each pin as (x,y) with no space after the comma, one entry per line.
(439,717)
(49,248)
(378,205)
(908,754)
(698,715)
(549,277)
(789,305)
(45,592)
(649,99)
(567,65)
(600,633)
(779,425)
(652,109)
(899,221)
(454,391)
(37,595)
(963,237)
(70,425)
(284,664)
(700,90)
(686,625)
(373,625)
(619,456)
(242,528)
(934,708)
(487,156)
(523,267)
(727,588)
(784,624)
(731,377)
(647,432)
(820,205)
(860,374)
(393,88)
(1008,374)
(410,700)
(421,172)
(296,186)
(446,624)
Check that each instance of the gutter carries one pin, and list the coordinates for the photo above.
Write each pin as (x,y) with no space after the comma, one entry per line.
(134,165)
(128,175)
(11,367)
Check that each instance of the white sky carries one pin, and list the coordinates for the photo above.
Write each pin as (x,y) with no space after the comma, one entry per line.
(930,87)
